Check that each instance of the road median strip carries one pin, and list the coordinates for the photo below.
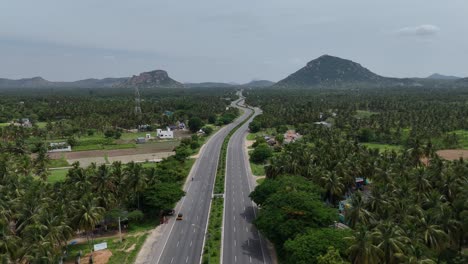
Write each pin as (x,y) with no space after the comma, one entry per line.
(212,246)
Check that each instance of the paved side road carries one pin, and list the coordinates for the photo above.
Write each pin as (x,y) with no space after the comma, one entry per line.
(242,243)
(182,241)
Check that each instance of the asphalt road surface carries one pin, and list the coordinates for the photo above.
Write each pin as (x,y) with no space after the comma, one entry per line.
(186,238)
(242,242)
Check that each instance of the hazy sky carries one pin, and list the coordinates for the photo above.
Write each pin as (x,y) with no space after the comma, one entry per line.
(218,40)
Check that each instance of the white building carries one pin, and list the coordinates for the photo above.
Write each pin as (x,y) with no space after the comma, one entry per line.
(59,147)
(164,133)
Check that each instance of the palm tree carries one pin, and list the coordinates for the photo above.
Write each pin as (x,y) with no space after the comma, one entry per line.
(392,241)
(432,234)
(357,212)
(362,249)
(87,214)
(333,185)
(420,182)
(136,180)
(104,185)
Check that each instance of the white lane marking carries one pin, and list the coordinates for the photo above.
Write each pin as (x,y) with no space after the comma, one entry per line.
(186,260)
(177,243)
(247,229)
(194,230)
(172,259)
(235,258)
(250,259)
(234,229)
(197,217)
(235,242)
(244,208)
(234,218)
(191,243)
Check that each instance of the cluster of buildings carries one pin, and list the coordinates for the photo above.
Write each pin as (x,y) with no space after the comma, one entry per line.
(167,133)
(23,122)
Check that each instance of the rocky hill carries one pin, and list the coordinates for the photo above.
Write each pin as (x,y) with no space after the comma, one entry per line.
(152,79)
(332,71)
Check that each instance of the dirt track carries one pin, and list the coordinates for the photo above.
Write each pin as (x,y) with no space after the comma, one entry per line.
(453,154)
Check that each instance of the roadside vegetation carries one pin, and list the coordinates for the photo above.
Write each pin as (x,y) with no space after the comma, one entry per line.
(366,185)
(43,210)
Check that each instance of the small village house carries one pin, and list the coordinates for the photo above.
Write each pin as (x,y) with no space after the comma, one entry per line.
(164,134)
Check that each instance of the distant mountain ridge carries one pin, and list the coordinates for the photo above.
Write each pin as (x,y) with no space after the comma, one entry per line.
(208,85)
(259,83)
(152,79)
(330,71)
(437,76)
(325,71)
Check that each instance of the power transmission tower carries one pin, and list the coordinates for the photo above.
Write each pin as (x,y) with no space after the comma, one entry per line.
(137,102)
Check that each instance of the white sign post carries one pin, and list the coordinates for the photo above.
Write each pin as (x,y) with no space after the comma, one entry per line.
(100,246)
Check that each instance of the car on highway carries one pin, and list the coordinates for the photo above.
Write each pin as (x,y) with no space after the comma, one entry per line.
(179,216)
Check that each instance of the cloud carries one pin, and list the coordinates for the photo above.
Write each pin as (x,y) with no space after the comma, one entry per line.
(419,31)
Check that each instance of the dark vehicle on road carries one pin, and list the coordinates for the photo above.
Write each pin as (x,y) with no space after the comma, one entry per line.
(168,212)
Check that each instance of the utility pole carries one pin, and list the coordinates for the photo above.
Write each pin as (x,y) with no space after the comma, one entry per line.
(137,102)
(120,231)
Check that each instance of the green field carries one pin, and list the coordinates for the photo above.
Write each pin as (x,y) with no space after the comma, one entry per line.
(383,147)
(463,136)
(267,132)
(364,114)
(57,175)
(4,124)
(102,146)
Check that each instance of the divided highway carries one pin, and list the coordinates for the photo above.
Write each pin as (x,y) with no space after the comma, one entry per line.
(185,239)
(242,242)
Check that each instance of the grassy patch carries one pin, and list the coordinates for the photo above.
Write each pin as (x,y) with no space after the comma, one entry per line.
(383,147)
(133,136)
(260,181)
(57,163)
(257,169)
(463,137)
(101,147)
(41,124)
(211,252)
(361,114)
(265,132)
(251,136)
(57,175)
(4,124)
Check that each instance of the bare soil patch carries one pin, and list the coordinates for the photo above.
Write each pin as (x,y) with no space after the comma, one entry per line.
(164,146)
(453,154)
(99,257)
